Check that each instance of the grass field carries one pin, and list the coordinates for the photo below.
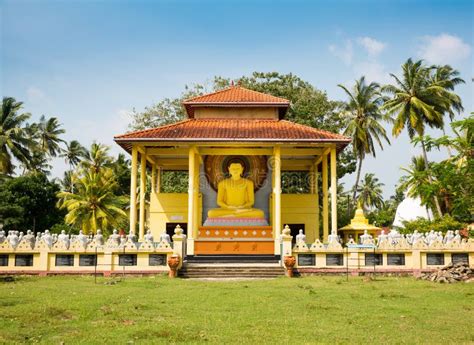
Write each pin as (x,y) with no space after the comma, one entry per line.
(282,311)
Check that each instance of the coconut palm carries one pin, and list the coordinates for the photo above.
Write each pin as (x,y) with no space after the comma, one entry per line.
(97,158)
(48,132)
(420,98)
(38,163)
(416,180)
(14,142)
(73,153)
(446,79)
(369,193)
(363,116)
(93,205)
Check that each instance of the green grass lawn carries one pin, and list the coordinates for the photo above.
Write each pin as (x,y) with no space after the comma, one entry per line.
(282,311)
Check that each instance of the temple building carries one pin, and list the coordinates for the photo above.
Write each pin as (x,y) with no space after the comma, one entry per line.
(358,226)
(234,145)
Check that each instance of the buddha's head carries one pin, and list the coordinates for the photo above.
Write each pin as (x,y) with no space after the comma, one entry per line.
(236,170)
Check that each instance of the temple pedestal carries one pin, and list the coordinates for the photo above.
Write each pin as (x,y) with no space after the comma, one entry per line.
(234,240)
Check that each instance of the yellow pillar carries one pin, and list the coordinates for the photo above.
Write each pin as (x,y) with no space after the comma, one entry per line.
(158,180)
(316,191)
(325,199)
(196,194)
(141,225)
(277,197)
(191,199)
(153,179)
(133,190)
(333,192)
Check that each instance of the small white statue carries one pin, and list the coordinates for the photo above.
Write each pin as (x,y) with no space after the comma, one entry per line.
(123,240)
(38,238)
(165,237)
(82,239)
(416,237)
(13,238)
(47,238)
(431,237)
(449,236)
(2,236)
(30,237)
(114,239)
(63,237)
(131,237)
(440,237)
(301,237)
(148,237)
(365,238)
(99,238)
(457,237)
(333,238)
(393,236)
(382,237)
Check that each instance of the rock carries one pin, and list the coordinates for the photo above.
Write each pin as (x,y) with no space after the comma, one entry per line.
(451,273)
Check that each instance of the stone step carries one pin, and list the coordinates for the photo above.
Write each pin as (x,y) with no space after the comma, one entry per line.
(230,258)
(217,271)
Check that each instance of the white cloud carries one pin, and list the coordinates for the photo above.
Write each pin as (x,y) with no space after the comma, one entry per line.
(344,53)
(372,46)
(373,71)
(443,49)
(364,59)
(35,94)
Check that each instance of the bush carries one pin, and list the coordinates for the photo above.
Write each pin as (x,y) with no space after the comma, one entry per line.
(58,227)
(424,225)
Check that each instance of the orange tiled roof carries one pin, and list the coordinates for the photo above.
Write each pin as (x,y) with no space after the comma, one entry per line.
(234,96)
(243,130)
(237,94)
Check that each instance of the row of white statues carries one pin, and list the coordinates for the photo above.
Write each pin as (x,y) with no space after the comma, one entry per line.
(394,237)
(114,240)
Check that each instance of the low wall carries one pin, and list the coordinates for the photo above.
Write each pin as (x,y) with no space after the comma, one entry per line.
(398,259)
(128,258)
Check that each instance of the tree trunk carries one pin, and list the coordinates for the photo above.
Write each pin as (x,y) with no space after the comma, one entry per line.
(357,180)
(435,198)
(448,147)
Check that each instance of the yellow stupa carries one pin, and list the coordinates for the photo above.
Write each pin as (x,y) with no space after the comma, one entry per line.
(358,225)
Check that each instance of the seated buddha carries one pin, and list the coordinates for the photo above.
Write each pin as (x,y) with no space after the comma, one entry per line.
(235,197)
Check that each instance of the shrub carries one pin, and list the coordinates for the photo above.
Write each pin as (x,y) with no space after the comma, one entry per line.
(440,224)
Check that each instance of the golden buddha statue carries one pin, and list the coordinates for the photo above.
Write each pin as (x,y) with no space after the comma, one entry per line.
(235,197)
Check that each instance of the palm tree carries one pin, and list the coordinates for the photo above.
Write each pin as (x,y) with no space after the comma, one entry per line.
(73,153)
(419,99)
(446,79)
(370,192)
(38,163)
(48,132)
(14,143)
(363,117)
(97,158)
(93,205)
(417,182)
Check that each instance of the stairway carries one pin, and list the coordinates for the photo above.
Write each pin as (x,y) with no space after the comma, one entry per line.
(231,266)
(232,259)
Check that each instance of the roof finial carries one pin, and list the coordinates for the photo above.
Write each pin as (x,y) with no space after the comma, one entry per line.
(232,83)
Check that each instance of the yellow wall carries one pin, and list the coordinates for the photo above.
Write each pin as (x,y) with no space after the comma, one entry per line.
(165,208)
(247,113)
(300,209)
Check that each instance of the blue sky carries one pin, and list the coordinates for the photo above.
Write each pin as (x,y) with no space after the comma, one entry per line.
(90,62)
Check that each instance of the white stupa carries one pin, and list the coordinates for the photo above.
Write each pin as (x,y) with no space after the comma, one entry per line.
(410,209)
